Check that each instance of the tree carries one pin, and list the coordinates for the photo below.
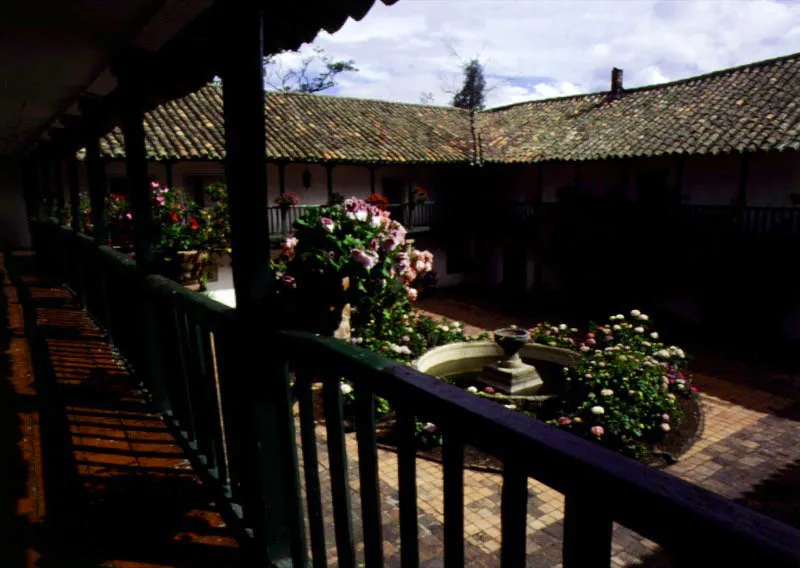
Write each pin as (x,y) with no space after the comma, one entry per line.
(472,95)
(316,71)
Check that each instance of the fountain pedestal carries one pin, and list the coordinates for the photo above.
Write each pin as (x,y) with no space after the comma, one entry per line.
(511,375)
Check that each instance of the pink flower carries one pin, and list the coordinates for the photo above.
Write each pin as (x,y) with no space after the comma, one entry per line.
(665,417)
(406,339)
(694,389)
(591,341)
(488,390)
(564,421)
(128,216)
(374,244)
(590,335)
(289,281)
(412,294)
(609,337)
(155,184)
(160,200)
(597,431)
(327,224)
(365,259)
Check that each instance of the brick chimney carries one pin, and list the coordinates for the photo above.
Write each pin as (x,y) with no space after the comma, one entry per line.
(616,83)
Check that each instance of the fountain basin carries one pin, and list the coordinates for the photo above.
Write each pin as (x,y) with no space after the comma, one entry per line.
(468,360)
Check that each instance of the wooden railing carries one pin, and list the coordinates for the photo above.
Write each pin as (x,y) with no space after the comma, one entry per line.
(764,221)
(416,216)
(239,424)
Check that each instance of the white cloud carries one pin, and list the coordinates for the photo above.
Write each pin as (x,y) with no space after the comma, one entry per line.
(553,48)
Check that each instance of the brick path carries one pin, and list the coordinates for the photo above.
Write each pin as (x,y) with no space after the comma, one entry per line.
(120,493)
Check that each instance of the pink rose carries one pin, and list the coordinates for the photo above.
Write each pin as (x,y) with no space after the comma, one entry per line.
(489,390)
(128,216)
(609,337)
(597,431)
(591,341)
(564,421)
(412,294)
(327,224)
(365,259)
(665,417)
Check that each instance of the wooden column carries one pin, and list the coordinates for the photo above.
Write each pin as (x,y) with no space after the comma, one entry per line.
(168,174)
(74,191)
(281,177)
(29,186)
(46,178)
(744,173)
(131,78)
(268,483)
(329,179)
(537,229)
(96,171)
(58,183)
(372,180)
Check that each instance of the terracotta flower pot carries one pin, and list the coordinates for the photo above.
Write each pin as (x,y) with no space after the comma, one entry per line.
(187,267)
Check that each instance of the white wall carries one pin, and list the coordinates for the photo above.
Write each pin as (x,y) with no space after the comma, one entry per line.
(14,232)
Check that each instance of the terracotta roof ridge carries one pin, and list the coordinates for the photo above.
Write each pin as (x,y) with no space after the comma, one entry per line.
(275,93)
(719,72)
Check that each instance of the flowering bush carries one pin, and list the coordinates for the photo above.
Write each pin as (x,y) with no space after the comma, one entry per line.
(182,224)
(623,390)
(219,224)
(353,254)
(379,201)
(287,200)
(419,194)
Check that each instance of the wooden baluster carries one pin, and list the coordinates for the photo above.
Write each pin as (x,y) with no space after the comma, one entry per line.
(308,436)
(453,470)
(407,482)
(513,513)
(337,456)
(368,476)
(587,533)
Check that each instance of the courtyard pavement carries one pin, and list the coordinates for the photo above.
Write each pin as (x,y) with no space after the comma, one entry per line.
(100,480)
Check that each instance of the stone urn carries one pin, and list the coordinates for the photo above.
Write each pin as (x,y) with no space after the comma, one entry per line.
(510,375)
(187,267)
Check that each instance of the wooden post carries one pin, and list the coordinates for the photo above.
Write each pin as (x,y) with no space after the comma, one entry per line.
(269,490)
(58,184)
(372,180)
(74,192)
(744,172)
(537,229)
(329,179)
(96,171)
(168,174)
(281,177)
(130,78)
(45,178)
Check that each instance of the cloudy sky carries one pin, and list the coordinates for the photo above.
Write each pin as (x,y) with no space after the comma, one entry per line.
(539,48)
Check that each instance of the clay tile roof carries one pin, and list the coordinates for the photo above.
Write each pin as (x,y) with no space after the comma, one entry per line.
(314,128)
(754,107)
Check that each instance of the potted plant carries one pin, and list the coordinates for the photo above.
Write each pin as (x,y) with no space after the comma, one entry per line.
(185,233)
(379,201)
(286,201)
(119,220)
(419,195)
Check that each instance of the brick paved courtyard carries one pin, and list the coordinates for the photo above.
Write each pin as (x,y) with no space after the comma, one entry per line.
(116,490)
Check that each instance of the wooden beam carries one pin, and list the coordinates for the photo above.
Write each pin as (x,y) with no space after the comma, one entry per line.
(372,179)
(281,177)
(168,174)
(73,184)
(130,81)
(329,180)
(268,488)
(95,170)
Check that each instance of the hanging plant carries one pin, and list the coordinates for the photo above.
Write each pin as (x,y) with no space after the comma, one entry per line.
(287,200)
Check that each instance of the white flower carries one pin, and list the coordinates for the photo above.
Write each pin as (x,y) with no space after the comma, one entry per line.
(562,327)
(598,410)
(511,406)
(473,390)
(607,392)
(654,335)
(647,344)
(639,329)
(430,427)
(584,349)
(376,221)
(663,353)
(616,327)
(620,317)
(644,317)
(671,396)
(573,329)
(566,369)
(665,427)
(444,328)
(346,389)
(588,375)
(636,313)
(362,215)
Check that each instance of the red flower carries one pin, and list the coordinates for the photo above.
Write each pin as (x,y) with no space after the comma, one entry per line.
(173,216)
(193,224)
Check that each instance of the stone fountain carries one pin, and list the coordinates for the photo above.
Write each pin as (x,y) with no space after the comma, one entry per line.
(510,374)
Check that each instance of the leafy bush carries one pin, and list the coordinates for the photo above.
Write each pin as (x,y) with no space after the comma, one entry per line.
(623,391)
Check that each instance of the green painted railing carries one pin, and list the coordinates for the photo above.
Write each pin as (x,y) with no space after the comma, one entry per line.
(240,426)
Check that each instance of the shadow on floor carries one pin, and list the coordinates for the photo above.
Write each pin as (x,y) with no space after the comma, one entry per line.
(119,489)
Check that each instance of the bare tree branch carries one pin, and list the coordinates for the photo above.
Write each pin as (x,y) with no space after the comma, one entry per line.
(316,72)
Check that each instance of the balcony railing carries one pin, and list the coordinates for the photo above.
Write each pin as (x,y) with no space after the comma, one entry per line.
(227,413)
(758,221)
(415,216)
